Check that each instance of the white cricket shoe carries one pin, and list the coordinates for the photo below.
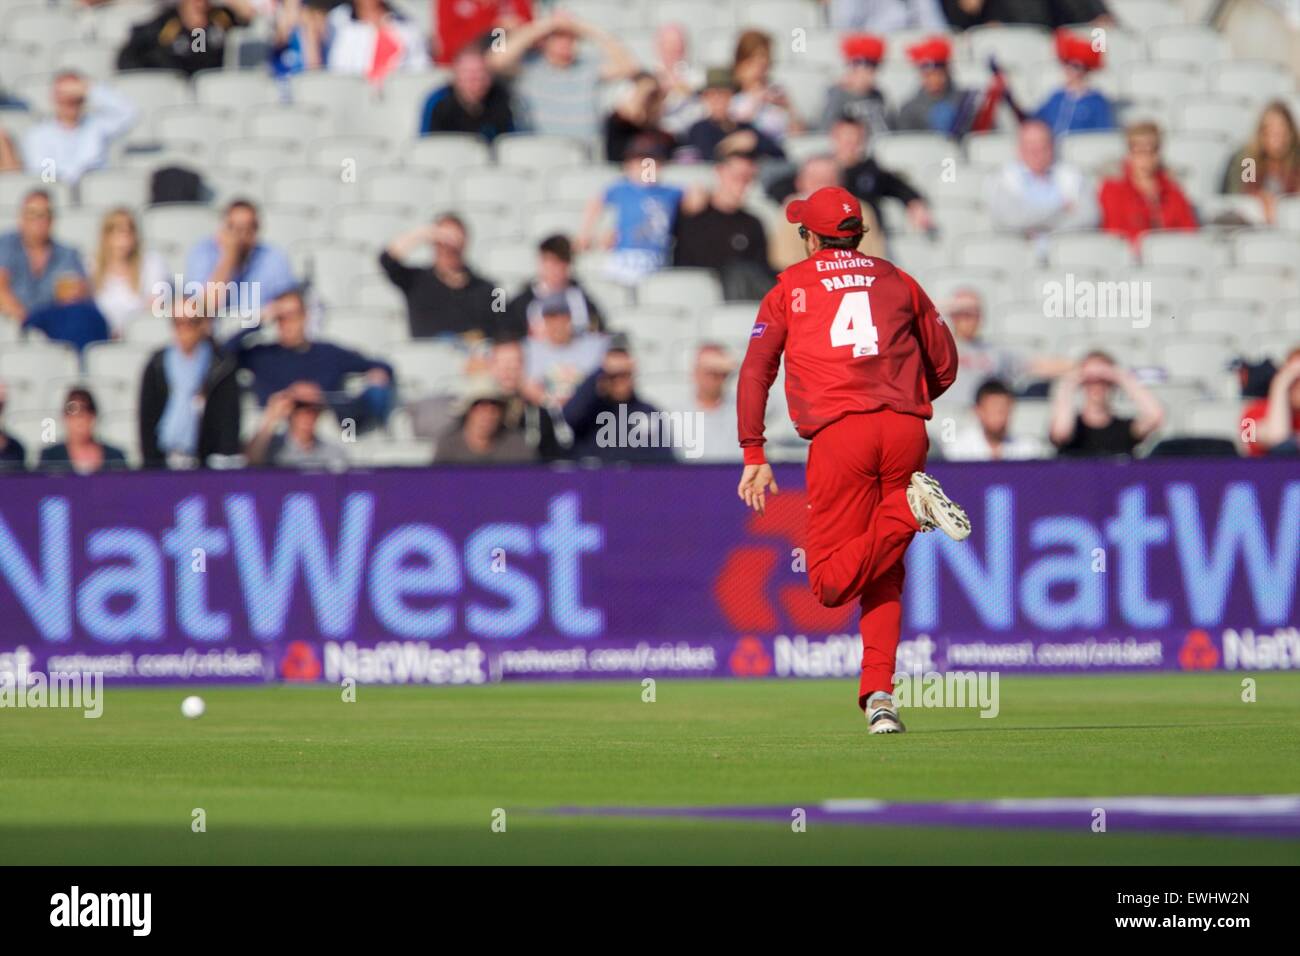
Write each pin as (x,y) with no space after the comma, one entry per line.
(882,716)
(933,509)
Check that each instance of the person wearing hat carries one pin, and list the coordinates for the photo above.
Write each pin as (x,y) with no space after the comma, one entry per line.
(1076,106)
(717,131)
(559,358)
(480,435)
(856,95)
(865,353)
(937,103)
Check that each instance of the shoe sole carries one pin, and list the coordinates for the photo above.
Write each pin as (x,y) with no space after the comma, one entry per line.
(946,514)
(886,726)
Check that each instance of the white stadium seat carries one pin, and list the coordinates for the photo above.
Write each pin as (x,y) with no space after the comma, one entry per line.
(446,151)
(690,290)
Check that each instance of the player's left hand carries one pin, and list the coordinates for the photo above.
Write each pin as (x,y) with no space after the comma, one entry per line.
(755,482)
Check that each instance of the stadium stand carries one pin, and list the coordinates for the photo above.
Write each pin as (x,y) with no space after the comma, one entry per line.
(330,155)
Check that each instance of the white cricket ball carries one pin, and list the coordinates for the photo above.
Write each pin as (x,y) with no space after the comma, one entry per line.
(192,707)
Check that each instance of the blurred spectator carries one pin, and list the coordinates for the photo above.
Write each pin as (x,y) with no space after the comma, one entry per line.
(536,423)
(238,272)
(1076,106)
(523,316)
(1034,194)
(716,407)
(556,82)
(80,451)
(32,263)
(1094,430)
(13,456)
(887,16)
(168,41)
(10,161)
(295,357)
(287,435)
(787,246)
(989,437)
(473,102)
(459,24)
(964,14)
(560,358)
(607,396)
(1145,196)
(978,359)
(371,38)
(447,298)
(86,121)
(72,317)
(480,435)
(644,216)
(861,175)
(715,232)
(855,96)
(1268,168)
(758,101)
(302,34)
(638,117)
(126,278)
(717,131)
(678,79)
(937,103)
(1276,418)
(189,396)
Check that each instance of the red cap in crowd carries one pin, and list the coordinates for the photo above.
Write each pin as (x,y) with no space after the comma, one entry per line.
(934,49)
(863,46)
(824,210)
(1071,48)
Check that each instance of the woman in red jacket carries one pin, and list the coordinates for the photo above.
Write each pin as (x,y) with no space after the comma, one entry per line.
(1145,196)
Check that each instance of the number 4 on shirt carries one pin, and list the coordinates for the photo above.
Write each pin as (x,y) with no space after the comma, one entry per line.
(853,326)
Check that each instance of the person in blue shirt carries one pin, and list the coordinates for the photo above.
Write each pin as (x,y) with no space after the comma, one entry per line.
(294,357)
(645,214)
(32,264)
(1076,107)
(239,272)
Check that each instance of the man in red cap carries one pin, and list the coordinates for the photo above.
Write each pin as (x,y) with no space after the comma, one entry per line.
(866,352)
(938,102)
(1076,105)
(856,96)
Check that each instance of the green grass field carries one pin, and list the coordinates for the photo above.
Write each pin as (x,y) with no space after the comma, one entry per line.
(413,775)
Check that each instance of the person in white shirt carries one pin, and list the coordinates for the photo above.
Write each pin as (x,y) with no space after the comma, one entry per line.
(126,277)
(715,436)
(356,29)
(989,438)
(87,119)
(1034,194)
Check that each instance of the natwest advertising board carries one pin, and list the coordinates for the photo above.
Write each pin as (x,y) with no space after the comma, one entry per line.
(476,575)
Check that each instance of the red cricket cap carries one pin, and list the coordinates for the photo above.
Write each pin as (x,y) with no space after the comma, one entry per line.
(863,46)
(934,49)
(1075,49)
(824,210)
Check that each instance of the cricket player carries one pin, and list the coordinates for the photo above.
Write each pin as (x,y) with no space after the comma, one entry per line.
(865,354)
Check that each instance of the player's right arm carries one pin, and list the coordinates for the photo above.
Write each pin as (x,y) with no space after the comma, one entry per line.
(757,373)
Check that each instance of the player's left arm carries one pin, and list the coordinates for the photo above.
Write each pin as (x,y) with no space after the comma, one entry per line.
(757,373)
(938,347)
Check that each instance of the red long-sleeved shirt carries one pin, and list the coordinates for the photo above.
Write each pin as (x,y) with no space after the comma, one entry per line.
(858,335)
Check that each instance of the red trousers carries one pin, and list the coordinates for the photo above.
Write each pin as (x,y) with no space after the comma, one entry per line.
(859,525)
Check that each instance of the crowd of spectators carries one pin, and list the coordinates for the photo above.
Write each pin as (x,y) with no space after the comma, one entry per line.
(546,359)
